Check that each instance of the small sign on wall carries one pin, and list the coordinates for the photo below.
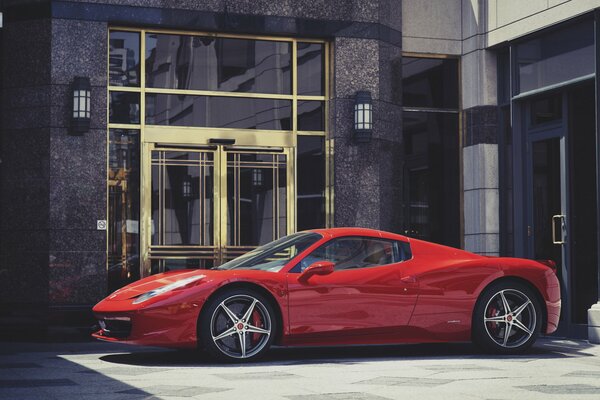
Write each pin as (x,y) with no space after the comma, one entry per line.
(101,224)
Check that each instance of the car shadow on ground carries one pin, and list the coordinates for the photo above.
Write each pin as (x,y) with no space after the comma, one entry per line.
(544,348)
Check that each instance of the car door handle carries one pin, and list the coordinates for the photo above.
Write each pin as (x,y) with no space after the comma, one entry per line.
(409,279)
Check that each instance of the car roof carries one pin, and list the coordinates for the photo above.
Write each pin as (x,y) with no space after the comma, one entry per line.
(354,231)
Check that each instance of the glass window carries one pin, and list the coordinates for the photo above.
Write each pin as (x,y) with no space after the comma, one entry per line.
(356,252)
(311,116)
(556,57)
(275,255)
(429,82)
(124,108)
(311,182)
(219,64)
(218,112)
(431,177)
(546,109)
(123,207)
(124,59)
(311,75)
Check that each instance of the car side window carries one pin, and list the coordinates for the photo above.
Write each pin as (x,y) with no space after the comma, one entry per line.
(356,252)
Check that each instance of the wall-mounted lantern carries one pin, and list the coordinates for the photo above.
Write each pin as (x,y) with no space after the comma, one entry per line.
(363,117)
(82,93)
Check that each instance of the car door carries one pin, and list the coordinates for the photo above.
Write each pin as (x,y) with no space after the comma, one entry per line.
(369,291)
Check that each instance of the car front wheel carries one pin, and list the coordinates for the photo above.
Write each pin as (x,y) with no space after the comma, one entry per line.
(507,318)
(237,325)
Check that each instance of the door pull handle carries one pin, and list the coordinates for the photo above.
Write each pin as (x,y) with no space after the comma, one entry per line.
(561,220)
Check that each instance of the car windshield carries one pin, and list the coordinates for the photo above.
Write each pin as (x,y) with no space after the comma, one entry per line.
(273,256)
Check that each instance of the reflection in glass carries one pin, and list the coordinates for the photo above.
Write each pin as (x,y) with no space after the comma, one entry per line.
(546,199)
(218,112)
(124,108)
(311,116)
(274,255)
(256,198)
(419,219)
(182,198)
(219,64)
(124,59)
(431,188)
(556,57)
(310,182)
(429,82)
(546,109)
(311,67)
(123,207)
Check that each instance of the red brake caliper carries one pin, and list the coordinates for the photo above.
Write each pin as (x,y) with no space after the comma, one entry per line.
(492,313)
(256,321)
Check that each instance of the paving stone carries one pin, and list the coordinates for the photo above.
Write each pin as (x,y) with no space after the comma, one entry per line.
(29,383)
(337,396)
(256,375)
(19,365)
(462,367)
(405,381)
(563,389)
(131,371)
(168,390)
(584,374)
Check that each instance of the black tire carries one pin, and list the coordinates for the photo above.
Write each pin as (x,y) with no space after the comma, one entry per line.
(497,331)
(223,326)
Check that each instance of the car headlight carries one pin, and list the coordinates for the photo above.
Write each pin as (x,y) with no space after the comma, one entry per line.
(167,288)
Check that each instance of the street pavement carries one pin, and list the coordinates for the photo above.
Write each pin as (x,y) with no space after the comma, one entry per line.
(553,369)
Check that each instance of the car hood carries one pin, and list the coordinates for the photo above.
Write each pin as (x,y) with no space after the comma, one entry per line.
(155,281)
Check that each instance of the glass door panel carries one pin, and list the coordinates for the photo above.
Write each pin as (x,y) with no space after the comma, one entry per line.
(182,203)
(546,190)
(256,200)
(547,222)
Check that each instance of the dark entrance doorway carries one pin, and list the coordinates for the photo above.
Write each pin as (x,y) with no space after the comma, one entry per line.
(560,194)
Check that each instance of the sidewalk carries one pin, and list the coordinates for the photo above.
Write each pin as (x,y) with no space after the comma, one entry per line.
(554,369)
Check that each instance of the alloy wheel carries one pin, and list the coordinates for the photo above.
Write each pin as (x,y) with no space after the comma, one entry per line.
(510,318)
(240,326)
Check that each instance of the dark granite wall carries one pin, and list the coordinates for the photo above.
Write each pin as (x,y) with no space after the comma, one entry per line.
(24,171)
(480,125)
(54,185)
(367,176)
(77,175)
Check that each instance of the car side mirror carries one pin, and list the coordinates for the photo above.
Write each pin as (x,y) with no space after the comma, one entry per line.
(318,268)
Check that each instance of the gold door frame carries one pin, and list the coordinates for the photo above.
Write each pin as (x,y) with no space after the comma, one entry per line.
(198,139)
(152,135)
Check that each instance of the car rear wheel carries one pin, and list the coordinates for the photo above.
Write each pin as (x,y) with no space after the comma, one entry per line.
(237,325)
(507,318)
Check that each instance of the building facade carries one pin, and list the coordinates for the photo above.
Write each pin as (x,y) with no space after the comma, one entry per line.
(218,125)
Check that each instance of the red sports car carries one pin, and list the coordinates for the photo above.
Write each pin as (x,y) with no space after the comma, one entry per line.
(338,286)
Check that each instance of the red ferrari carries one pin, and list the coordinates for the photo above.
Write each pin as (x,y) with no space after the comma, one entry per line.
(336,287)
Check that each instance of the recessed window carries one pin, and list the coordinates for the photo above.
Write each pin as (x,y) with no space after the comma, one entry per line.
(546,109)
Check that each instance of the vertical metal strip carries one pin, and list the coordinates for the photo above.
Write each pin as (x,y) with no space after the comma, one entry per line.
(238,198)
(291,166)
(329,142)
(275,195)
(201,216)
(222,192)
